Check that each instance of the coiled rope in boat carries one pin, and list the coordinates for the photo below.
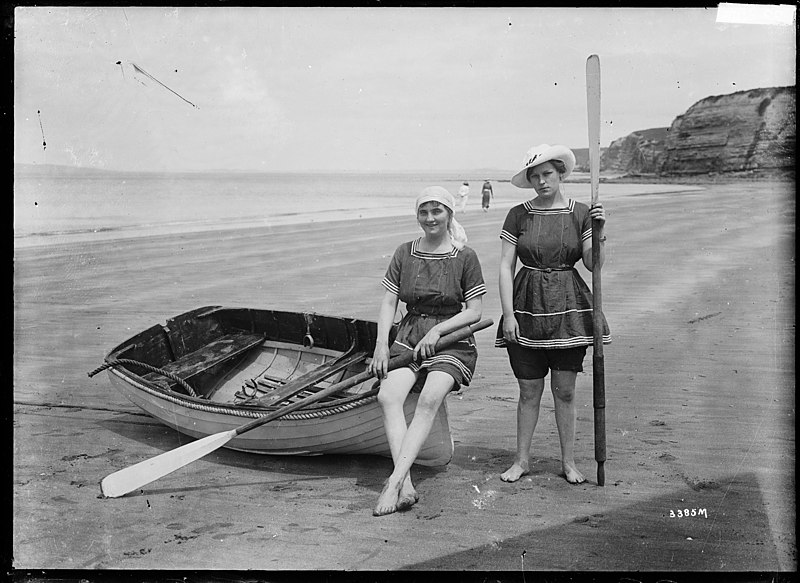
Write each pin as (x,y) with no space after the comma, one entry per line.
(367,397)
(166,373)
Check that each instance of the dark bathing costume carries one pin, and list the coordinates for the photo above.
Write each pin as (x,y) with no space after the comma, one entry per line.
(552,303)
(434,286)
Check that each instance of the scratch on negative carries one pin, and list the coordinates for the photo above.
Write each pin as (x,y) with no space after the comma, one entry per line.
(706,317)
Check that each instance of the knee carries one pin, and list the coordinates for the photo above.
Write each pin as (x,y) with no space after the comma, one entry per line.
(433,393)
(530,394)
(427,405)
(389,398)
(564,394)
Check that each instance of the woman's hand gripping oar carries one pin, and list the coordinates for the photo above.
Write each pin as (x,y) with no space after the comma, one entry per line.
(131,478)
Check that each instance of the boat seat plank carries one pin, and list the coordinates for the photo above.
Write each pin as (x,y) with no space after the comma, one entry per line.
(302,382)
(212,354)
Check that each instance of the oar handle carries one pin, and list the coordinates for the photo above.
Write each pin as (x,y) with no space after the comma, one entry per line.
(397,362)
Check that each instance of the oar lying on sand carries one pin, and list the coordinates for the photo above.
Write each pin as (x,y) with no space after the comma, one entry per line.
(129,479)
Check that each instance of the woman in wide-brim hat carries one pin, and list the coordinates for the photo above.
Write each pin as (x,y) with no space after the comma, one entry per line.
(547,323)
(439,279)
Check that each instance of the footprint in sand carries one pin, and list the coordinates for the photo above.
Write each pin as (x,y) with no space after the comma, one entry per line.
(206,528)
(592,521)
(697,484)
(138,553)
(294,527)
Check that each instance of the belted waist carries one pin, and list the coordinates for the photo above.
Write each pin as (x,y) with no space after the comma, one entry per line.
(434,311)
(549,269)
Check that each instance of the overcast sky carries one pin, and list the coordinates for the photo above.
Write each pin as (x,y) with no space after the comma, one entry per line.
(356,89)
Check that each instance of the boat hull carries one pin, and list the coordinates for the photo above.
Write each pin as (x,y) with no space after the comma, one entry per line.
(354,427)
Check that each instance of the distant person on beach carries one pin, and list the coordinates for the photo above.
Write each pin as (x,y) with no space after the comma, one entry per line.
(433,275)
(547,307)
(463,192)
(486,195)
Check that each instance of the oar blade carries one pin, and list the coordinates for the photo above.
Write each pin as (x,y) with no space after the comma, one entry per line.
(129,479)
(593,111)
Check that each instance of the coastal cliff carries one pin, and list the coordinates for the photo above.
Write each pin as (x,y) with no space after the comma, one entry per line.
(750,131)
(636,153)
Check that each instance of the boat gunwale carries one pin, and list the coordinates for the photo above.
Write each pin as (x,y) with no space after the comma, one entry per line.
(208,311)
(251,411)
(315,409)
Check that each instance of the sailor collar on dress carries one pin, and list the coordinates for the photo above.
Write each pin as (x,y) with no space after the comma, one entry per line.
(528,204)
(416,252)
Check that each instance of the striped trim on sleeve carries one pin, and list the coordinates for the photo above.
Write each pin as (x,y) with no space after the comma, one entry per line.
(586,235)
(390,286)
(475,292)
(506,236)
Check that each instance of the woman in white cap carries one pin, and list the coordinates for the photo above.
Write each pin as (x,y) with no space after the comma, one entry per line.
(441,282)
(463,192)
(547,307)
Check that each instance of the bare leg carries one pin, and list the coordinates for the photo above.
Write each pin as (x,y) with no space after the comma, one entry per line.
(562,383)
(394,390)
(437,386)
(530,397)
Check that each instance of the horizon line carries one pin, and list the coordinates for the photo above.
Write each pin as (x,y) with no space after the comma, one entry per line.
(257,171)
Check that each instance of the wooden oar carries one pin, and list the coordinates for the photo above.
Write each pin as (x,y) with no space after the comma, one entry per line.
(129,479)
(307,380)
(598,374)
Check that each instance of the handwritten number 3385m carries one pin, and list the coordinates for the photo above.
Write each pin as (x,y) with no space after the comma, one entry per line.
(686,512)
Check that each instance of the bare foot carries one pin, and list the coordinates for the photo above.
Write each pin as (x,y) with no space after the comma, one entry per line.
(572,474)
(387,501)
(408,495)
(515,472)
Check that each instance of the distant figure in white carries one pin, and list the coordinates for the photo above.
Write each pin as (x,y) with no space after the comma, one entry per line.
(463,192)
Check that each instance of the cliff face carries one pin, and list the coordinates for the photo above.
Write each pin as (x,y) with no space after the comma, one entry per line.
(636,153)
(582,158)
(746,130)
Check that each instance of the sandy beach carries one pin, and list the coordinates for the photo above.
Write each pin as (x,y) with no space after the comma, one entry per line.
(698,289)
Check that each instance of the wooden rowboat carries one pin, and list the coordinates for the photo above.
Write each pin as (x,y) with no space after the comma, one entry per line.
(214,369)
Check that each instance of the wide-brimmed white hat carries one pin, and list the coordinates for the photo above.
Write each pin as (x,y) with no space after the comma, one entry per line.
(539,155)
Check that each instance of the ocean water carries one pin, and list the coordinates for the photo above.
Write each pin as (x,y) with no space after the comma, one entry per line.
(57,205)
(67,203)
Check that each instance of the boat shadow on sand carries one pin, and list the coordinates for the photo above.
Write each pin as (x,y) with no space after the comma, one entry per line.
(369,471)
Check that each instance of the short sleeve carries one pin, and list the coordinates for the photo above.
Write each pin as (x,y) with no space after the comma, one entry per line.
(586,225)
(391,281)
(472,277)
(510,231)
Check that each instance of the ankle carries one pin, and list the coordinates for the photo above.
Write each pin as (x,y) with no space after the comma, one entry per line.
(394,483)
